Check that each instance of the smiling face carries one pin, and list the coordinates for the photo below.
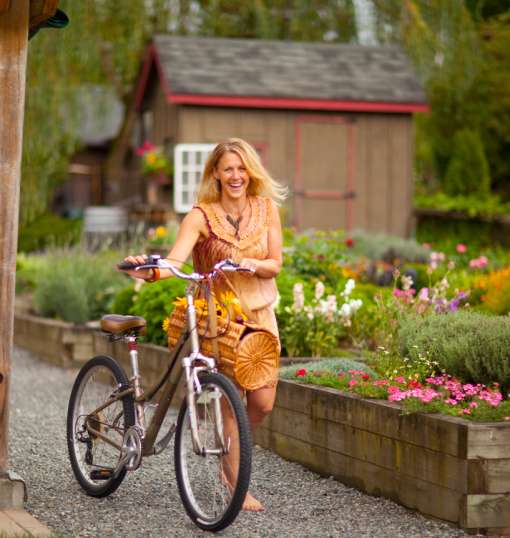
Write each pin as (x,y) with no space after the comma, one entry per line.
(233,176)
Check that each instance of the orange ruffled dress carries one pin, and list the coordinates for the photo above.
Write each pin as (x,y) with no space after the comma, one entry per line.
(250,242)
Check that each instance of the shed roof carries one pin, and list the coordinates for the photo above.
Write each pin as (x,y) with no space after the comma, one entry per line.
(283,74)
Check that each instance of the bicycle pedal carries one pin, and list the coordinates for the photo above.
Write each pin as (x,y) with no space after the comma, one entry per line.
(101,474)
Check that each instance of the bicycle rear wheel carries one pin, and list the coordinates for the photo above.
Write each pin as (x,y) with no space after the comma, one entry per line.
(214,483)
(93,458)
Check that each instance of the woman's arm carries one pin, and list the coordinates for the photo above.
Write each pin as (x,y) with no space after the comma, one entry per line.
(271,266)
(192,226)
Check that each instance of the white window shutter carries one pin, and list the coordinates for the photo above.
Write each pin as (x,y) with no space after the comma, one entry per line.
(189,162)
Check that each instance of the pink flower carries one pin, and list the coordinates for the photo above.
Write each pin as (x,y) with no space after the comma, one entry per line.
(397,396)
(144,148)
(473,405)
(466,411)
(381,382)
(479,263)
(301,372)
(461,248)
(400,379)
(451,401)
(352,383)
(424,294)
(365,377)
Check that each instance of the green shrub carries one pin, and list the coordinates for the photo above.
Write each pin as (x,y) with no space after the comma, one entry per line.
(468,170)
(387,248)
(468,345)
(123,300)
(49,231)
(315,254)
(75,285)
(154,302)
(332,365)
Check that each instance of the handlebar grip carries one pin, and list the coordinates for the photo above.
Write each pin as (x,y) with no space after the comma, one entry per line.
(123,266)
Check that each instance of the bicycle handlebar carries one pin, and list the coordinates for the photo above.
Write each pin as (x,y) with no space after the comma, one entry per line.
(155,261)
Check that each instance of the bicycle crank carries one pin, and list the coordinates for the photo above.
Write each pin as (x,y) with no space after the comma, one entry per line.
(131,453)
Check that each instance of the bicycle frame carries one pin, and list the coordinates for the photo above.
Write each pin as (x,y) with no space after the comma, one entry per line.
(191,365)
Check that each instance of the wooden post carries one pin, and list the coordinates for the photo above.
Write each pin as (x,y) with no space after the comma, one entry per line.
(13,57)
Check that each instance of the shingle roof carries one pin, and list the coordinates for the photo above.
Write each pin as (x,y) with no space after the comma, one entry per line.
(282,69)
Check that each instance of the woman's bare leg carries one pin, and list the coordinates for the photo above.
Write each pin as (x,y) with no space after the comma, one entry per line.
(259,404)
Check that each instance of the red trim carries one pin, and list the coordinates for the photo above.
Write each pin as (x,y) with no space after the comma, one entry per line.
(151,56)
(300,194)
(301,104)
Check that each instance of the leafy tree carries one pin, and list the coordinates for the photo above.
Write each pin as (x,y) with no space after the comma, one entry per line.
(102,45)
(468,170)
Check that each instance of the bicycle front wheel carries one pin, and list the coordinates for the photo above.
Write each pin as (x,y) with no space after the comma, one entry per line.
(96,423)
(213,479)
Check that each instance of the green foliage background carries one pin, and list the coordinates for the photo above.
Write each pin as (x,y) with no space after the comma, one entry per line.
(460,49)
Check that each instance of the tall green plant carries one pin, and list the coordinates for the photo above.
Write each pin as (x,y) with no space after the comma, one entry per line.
(468,170)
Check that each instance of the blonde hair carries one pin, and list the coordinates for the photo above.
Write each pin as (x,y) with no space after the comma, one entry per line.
(261,183)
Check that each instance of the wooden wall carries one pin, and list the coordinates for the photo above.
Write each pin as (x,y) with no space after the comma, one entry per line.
(314,149)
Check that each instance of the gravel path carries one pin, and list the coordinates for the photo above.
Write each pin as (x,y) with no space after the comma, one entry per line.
(298,502)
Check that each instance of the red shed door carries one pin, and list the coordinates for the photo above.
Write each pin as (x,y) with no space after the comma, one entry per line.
(323,187)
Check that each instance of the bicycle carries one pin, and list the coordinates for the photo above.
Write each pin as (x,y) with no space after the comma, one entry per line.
(107,434)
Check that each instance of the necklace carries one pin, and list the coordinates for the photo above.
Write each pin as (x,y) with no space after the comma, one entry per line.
(236,223)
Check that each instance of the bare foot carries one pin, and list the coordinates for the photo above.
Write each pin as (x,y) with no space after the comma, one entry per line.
(251,504)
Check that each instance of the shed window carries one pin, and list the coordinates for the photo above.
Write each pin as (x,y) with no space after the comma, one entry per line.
(189,162)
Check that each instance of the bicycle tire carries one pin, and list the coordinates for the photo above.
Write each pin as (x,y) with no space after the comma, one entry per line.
(194,492)
(86,453)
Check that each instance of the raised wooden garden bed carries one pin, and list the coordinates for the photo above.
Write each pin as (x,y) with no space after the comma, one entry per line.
(59,342)
(443,467)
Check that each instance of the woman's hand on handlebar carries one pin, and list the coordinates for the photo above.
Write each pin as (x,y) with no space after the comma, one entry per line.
(140,259)
(250,264)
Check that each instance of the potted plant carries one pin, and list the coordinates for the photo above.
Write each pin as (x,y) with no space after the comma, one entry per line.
(157,167)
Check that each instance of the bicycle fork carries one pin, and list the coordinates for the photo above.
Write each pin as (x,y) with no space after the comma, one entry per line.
(193,387)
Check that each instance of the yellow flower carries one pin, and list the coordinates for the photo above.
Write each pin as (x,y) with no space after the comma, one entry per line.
(233,305)
(160,231)
(180,302)
(166,324)
(150,157)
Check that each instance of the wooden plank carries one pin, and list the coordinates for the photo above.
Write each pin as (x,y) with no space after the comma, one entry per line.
(220,124)
(416,494)
(378,173)
(41,10)
(9,527)
(440,433)
(399,174)
(361,185)
(398,456)
(484,511)
(489,476)
(28,523)
(4,5)
(191,128)
(489,441)
(13,58)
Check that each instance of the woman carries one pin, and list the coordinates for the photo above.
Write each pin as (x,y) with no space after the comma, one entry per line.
(236,217)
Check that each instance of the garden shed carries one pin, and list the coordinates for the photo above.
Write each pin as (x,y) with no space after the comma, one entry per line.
(334,122)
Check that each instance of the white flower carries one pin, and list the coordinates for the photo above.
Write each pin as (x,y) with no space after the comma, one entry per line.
(319,290)
(407,282)
(345,311)
(355,305)
(349,286)
(299,297)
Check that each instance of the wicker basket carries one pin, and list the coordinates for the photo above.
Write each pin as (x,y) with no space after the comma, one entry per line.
(248,352)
